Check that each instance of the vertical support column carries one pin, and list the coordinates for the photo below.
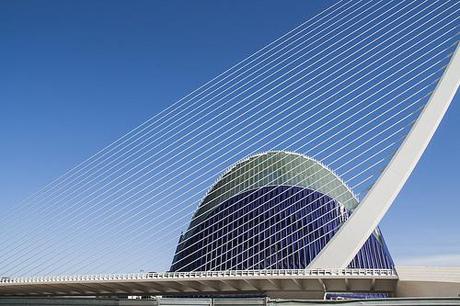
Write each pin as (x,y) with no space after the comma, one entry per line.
(352,235)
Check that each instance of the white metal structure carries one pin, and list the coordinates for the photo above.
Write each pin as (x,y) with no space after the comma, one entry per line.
(275,283)
(404,282)
(351,236)
(343,88)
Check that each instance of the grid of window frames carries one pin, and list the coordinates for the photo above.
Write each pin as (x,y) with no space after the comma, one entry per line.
(273,227)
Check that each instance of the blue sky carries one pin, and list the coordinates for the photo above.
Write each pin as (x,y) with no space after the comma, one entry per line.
(75,75)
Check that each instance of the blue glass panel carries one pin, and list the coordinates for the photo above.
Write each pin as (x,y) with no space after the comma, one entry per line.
(278,227)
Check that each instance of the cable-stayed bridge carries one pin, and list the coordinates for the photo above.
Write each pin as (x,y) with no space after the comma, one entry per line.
(280,168)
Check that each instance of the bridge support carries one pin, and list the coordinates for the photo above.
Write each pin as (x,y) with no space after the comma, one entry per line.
(352,235)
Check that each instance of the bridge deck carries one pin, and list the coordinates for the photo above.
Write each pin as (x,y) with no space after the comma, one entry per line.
(278,283)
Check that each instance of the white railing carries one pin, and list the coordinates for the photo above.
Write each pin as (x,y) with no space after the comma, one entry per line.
(204,274)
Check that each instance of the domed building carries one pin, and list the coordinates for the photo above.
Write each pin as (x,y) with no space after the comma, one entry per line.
(275,210)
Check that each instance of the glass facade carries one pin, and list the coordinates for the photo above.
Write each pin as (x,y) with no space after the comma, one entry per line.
(274,225)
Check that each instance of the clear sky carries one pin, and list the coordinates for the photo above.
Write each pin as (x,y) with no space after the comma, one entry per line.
(75,75)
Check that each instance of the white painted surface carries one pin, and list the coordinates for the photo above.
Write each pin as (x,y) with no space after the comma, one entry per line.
(276,283)
(428,281)
(353,234)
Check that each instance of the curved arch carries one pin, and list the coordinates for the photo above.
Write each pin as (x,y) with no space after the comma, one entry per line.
(353,234)
(270,187)
(274,168)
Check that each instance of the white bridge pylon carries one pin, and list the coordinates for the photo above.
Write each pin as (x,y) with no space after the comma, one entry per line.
(351,236)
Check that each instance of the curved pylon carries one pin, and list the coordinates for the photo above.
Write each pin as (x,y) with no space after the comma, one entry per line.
(352,235)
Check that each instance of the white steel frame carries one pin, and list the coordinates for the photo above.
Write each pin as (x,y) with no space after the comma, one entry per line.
(345,244)
(315,273)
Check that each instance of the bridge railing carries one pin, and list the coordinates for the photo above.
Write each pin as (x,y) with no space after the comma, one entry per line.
(205,274)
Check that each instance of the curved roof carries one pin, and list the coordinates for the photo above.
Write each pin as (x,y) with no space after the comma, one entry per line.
(275,168)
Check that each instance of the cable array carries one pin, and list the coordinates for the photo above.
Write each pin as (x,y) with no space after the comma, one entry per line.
(343,88)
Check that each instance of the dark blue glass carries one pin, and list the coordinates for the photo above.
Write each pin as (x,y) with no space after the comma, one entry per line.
(277,227)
